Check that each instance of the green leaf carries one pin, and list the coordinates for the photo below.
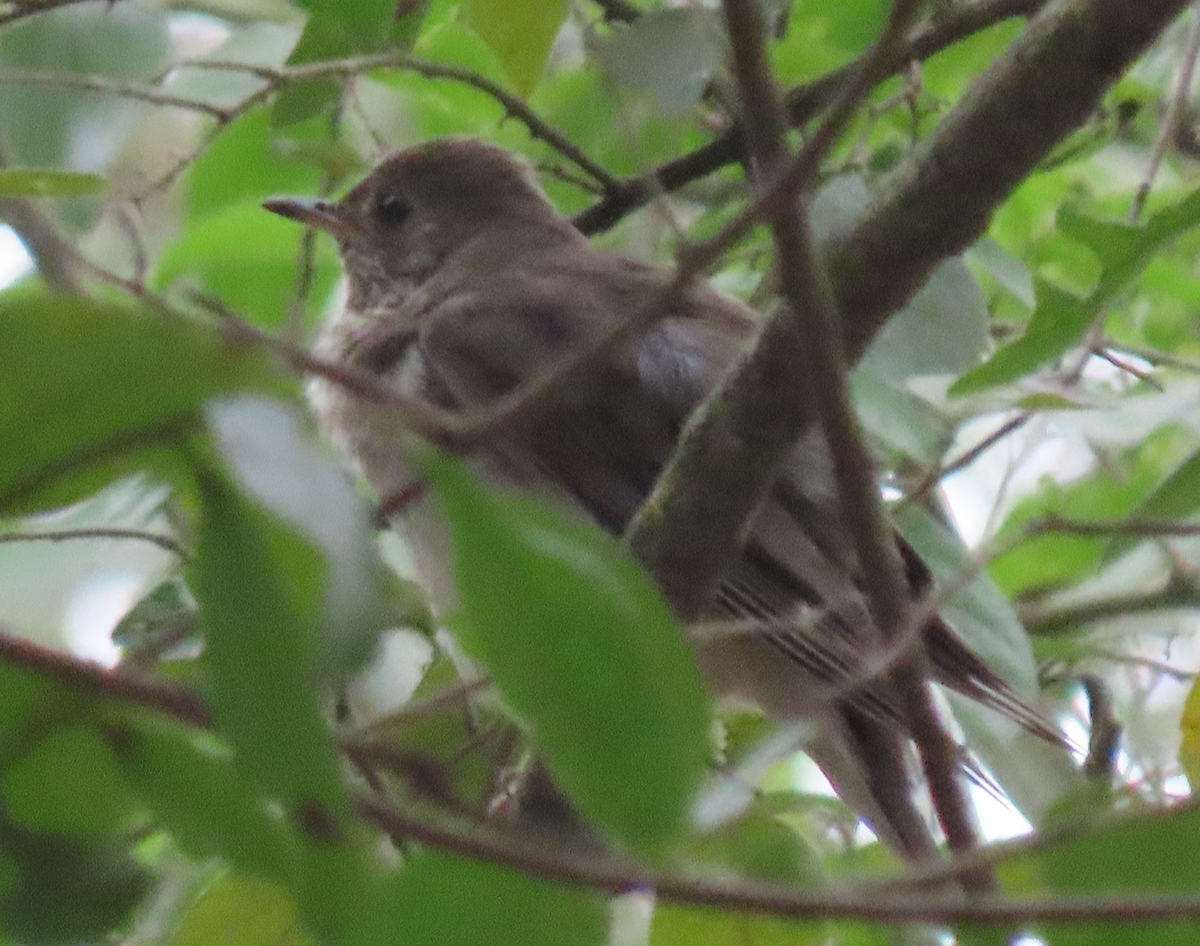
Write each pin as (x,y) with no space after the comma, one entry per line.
(854,25)
(28,702)
(258,586)
(668,54)
(1058,322)
(760,845)
(1061,319)
(675,925)
(362,25)
(245,164)
(1009,271)
(898,418)
(276,463)
(63,890)
(583,646)
(237,910)
(47,182)
(521,33)
(978,611)
(196,792)
(1150,854)
(335,29)
(86,385)
(941,331)
(247,257)
(69,782)
(1176,498)
(439,900)
(41,125)
(1112,492)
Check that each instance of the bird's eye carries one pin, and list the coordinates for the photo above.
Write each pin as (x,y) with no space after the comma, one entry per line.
(392,210)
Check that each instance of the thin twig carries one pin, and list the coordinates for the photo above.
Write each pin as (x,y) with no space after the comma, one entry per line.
(1107,528)
(357,65)
(803,104)
(969,456)
(84,676)
(137,535)
(140,93)
(816,338)
(1175,111)
(535,858)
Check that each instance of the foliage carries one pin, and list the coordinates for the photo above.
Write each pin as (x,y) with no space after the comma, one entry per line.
(232,779)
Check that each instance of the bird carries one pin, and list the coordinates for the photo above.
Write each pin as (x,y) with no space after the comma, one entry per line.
(465,286)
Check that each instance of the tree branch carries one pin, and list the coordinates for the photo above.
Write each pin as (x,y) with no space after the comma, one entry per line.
(941,199)
(812,329)
(83,676)
(137,535)
(802,105)
(689,531)
(534,858)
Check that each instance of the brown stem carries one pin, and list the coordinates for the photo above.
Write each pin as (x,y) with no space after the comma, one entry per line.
(817,341)
(802,104)
(86,677)
(533,858)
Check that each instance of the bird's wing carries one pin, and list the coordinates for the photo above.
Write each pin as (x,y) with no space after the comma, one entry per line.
(601,441)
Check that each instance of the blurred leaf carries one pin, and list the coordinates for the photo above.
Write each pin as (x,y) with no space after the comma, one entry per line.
(1058,322)
(946,73)
(362,25)
(85,384)
(668,54)
(335,29)
(898,418)
(1061,319)
(1189,725)
(1150,854)
(1112,492)
(45,126)
(244,164)
(684,926)
(1010,272)
(237,910)
(166,617)
(28,703)
(277,464)
(438,108)
(195,791)
(521,33)
(583,646)
(853,25)
(247,258)
(297,101)
(941,331)
(1175,498)
(978,612)
(68,783)
(258,586)
(257,45)
(438,900)
(759,845)
(64,890)
(46,182)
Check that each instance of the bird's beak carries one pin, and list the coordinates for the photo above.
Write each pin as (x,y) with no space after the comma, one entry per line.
(319,214)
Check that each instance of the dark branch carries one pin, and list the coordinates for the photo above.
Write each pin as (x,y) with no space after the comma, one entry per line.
(802,105)
(83,676)
(941,199)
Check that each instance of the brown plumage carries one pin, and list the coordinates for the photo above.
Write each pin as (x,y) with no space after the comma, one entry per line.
(465,285)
